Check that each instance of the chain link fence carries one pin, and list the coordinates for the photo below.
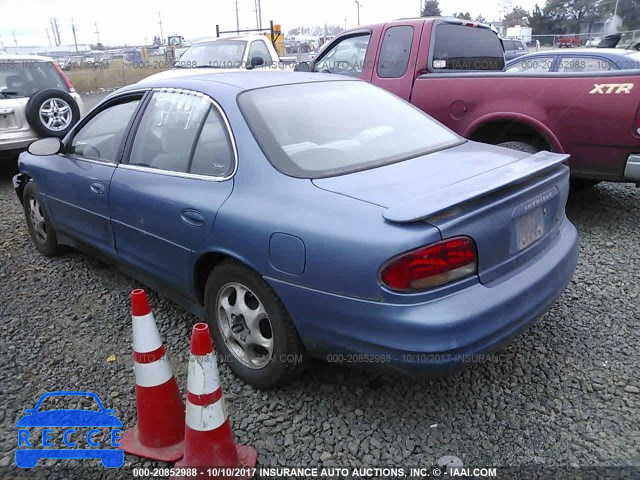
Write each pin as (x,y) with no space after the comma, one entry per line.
(581,39)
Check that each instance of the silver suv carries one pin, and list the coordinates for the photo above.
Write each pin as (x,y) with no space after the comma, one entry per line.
(36,100)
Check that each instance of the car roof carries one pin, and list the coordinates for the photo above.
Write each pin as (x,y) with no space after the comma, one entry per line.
(14,57)
(589,51)
(238,80)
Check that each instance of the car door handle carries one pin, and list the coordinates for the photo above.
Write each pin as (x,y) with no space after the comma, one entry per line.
(193,217)
(97,187)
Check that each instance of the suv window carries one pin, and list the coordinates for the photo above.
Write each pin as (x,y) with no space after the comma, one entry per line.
(509,45)
(101,137)
(570,64)
(532,65)
(394,54)
(346,57)
(167,131)
(259,49)
(458,47)
(28,77)
(213,154)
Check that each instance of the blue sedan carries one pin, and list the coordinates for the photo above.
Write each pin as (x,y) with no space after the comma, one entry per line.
(308,215)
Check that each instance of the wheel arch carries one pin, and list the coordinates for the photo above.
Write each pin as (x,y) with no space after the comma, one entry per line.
(204,265)
(502,127)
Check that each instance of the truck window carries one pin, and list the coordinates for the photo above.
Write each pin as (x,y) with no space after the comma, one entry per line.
(346,57)
(459,47)
(572,64)
(394,54)
(259,49)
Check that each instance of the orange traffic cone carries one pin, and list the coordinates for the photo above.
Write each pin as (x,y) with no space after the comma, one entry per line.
(159,433)
(208,439)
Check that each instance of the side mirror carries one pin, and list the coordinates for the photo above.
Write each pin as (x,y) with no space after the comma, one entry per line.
(302,67)
(45,146)
(257,62)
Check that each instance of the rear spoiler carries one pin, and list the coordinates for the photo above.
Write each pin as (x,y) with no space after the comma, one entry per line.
(473,188)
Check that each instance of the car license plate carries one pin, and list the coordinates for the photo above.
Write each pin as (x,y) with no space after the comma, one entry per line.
(529,228)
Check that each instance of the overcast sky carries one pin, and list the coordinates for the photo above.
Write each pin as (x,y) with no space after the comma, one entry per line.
(129,21)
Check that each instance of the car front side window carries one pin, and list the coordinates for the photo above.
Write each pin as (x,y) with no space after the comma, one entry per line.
(168,130)
(346,57)
(101,137)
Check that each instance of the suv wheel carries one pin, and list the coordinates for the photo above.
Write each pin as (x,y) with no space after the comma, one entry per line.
(52,113)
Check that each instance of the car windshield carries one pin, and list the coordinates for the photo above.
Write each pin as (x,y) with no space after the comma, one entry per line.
(215,54)
(323,129)
(24,78)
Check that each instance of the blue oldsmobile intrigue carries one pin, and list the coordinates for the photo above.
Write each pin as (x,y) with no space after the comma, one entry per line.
(306,215)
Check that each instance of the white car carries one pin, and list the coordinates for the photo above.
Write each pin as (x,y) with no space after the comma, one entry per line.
(36,100)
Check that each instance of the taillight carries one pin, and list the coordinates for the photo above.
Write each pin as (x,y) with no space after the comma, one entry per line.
(64,77)
(431,266)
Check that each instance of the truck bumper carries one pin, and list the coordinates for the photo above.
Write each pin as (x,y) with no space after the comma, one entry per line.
(632,170)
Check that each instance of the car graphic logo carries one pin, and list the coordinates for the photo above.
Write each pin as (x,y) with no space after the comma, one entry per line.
(31,448)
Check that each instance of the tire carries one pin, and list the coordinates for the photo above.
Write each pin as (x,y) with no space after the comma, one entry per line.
(52,113)
(42,232)
(578,184)
(281,357)
(521,146)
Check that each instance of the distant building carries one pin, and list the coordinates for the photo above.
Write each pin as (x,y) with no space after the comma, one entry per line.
(56,52)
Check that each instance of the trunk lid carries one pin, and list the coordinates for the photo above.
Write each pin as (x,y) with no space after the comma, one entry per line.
(511,203)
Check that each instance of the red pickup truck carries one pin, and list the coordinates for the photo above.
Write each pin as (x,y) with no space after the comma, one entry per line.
(568,41)
(454,70)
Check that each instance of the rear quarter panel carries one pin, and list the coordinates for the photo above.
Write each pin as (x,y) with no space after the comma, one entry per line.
(593,124)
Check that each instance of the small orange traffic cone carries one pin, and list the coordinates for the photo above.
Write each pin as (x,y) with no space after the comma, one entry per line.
(159,433)
(208,439)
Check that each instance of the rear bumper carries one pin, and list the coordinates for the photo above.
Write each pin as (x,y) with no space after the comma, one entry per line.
(440,335)
(632,168)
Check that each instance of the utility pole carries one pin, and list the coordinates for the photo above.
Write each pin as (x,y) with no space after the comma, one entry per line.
(73,29)
(97,31)
(259,15)
(161,33)
(48,36)
(15,40)
(345,23)
(255,9)
(55,30)
(358,7)
(237,19)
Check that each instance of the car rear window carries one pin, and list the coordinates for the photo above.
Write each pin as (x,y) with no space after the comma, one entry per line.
(459,47)
(323,129)
(24,78)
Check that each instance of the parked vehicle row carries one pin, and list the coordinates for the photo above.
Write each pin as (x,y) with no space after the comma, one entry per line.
(453,70)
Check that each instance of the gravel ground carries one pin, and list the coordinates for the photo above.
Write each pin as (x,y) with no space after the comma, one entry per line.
(565,393)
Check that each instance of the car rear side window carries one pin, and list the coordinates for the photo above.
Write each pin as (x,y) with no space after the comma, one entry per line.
(213,154)
(167,132)
(572,64)
(101,137)
(460,47)
(532,65)
(24,78)
(394,54)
